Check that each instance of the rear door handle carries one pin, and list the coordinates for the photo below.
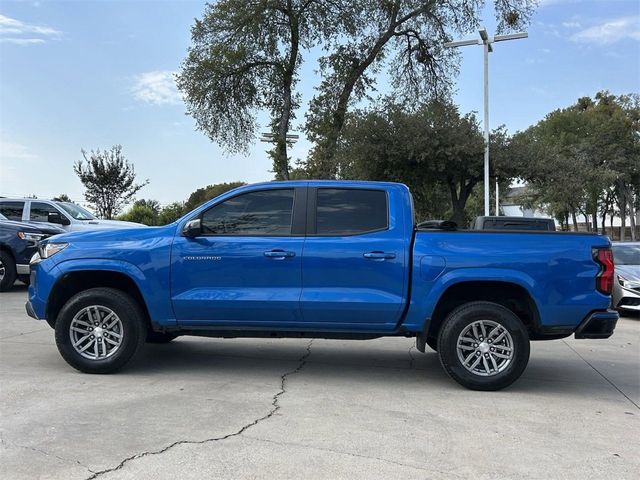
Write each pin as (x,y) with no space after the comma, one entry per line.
(279,254)
(379,255)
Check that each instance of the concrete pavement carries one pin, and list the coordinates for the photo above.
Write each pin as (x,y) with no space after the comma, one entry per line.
(243,408)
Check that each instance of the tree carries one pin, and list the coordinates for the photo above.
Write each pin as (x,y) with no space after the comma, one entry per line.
(63,197)
(436,151)
(244,58)
(143,211)
(584,158)
(202,195)
(404,36)
(109,180)
(170,213)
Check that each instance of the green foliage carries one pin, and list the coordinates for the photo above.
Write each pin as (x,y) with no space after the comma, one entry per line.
(245,57)
(63,197)
(584,159)
(142,211)
(109,180)
(403,37)
(204,194)
(434,150)
(171,213)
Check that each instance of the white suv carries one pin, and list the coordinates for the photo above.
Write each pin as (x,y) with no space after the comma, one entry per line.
(69,216)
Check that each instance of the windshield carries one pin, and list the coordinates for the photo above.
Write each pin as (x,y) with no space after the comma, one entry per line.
(77,211)
(626,254)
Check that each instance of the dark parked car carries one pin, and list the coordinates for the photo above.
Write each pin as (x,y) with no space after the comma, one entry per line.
(514,223)
(18,243)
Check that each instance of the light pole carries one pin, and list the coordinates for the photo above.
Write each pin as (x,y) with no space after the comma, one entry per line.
(486,41)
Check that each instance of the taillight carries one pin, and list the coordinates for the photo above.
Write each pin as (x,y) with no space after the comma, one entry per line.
(604,279)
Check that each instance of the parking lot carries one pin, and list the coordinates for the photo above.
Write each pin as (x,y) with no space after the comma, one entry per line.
(212,408)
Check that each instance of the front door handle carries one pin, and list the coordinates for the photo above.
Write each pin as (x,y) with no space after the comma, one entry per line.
(279,254)
(379,255)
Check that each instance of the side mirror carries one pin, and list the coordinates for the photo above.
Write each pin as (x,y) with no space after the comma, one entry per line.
(55,217)
(192,228)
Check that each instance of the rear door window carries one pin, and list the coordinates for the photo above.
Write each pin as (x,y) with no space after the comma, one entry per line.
(39,212)
(12,210)
(350,211)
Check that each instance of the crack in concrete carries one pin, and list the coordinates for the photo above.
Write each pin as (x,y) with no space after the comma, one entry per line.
(44,452)
(340,452)
(602,375)
(275,406)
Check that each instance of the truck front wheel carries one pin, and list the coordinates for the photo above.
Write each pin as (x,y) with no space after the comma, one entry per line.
(483,346)
(99,330)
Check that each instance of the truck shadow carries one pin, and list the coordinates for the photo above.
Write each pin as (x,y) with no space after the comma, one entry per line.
(363,362)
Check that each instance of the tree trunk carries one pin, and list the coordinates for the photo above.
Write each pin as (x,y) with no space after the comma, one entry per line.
(632,217)
(574,219)
(326,167)
(280,155)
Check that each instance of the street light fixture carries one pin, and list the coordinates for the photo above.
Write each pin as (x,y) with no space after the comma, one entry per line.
(487,42)
(271,138)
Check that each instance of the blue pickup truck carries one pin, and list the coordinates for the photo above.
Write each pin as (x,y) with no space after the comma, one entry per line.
(323,259)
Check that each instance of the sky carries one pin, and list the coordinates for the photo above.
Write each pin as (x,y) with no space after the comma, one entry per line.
(91,74)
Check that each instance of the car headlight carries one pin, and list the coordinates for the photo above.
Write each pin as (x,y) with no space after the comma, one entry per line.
(628,283)
(32,237)
(50,249)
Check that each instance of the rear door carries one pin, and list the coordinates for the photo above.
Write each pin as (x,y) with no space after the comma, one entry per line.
(12,209)
(354,262)
(244,270)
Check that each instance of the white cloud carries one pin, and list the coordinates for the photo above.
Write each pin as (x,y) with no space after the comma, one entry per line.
(21,41)
(610,31)
(158,88)
(10,151)
(12,29)
(571,24)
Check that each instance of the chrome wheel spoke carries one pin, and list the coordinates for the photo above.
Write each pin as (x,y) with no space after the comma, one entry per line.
(86,345)
(91,336)
(485,348)
(80,340)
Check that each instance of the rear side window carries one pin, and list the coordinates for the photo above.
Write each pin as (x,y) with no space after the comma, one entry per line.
(12,210)
(39,212)
(343,211)
(268,212)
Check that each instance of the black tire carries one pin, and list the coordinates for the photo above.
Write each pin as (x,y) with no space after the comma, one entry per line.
(24,279)
(8,265)
(456,323)
(160,337)
(133,330)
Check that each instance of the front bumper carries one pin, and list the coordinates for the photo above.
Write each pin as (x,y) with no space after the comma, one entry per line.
(598,325)
(627,298)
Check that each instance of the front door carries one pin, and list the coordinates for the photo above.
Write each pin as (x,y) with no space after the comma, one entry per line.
(244,269)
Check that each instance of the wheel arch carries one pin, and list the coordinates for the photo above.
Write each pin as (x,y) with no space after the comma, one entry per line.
(76,281)
(508,294)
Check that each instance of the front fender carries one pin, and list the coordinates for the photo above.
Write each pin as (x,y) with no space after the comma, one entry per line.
(154,290)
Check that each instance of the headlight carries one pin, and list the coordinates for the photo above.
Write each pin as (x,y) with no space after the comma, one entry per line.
(628,283)
(32,237)
(50,249)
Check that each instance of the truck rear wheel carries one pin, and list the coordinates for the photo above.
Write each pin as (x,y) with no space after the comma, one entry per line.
(483,346)
(100,330)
